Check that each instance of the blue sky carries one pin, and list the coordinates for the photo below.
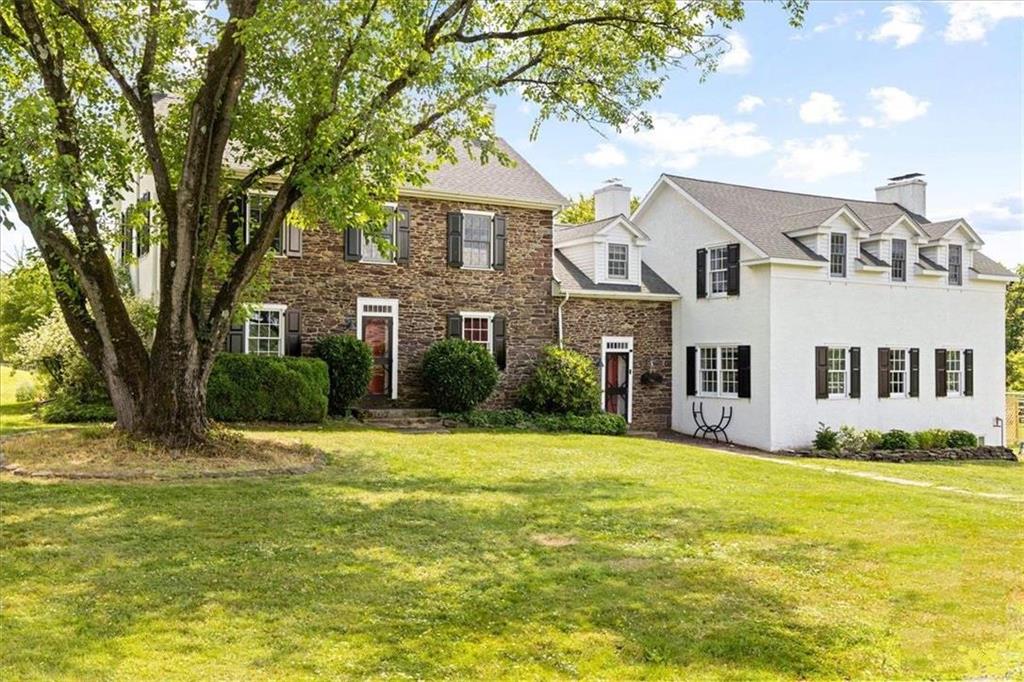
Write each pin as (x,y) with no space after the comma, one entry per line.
(864,91)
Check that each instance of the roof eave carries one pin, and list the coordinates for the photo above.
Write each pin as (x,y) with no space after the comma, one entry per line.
(427,193)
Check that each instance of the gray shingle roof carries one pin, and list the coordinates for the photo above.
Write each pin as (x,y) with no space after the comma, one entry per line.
(983,265)
(871,259)
(572,278)
(939,229)
(468,177)
(763,216)
(564,233)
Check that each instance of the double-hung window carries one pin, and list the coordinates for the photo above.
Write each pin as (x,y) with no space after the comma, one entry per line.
(478,328)
(372,252)
(954,372)
(477,236)
(264,332)
(899,260)
(838,373)
(719,371)
(718,268)
(837,254)
(618,261)
(956,275)
(898,372)
(256,207)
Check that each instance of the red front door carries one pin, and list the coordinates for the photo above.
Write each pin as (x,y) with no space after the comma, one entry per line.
(616,383)
(377,334)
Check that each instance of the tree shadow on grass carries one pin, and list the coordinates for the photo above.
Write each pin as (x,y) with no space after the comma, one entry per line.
(417,576)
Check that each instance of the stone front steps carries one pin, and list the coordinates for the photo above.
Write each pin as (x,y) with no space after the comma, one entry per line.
(409,420)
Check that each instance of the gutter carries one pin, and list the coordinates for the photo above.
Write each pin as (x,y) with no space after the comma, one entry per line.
(564,301)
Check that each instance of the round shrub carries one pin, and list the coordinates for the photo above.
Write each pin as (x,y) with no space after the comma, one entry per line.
(897,439)
(349,364)
(458,374)
(262,388)
(959,438)
(563,382)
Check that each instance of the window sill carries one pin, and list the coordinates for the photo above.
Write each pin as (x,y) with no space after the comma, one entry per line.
(720,396)
(369,261)
(476,268)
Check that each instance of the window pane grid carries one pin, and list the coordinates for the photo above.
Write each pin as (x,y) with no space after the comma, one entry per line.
(370,250)
(709,370)
(730,370)
(899,260)
(955,265)
(897,372)
(618,261)
(836,373)
(954,367)
(476,241)
(718,266)
(264,333)
(477,330)
(719,371)
(837,255)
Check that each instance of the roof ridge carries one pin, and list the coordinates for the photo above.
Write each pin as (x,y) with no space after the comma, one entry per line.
(786,191)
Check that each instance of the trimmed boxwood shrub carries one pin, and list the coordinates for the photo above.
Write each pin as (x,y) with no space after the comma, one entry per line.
(261,388)
(959,438)
(897,439)
(349,364)
(458,374)
(66,410)
(563,382)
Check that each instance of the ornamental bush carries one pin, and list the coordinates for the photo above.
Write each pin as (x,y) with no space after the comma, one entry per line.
(65,409)
(959,438)
(349,364)
(563,382)
(826,438)
(932,438)
(897,439)
(261,388)
(458,374)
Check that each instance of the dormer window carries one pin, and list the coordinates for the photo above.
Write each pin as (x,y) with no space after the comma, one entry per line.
(956,276)
(899,260)
(618,261)
(837,255)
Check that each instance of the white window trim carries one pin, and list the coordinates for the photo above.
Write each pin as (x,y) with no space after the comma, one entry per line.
(906,260)
(607,262)
(845,395)
(393,216)
(281,237)
(906,373)
(479,315)
(361,312)
(846,256)
(606,342)
(961,372)
(707,264)
(718,371)
(490,242)
(270,307)
(949,267)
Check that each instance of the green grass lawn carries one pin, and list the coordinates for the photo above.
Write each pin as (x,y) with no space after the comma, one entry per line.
(488,555)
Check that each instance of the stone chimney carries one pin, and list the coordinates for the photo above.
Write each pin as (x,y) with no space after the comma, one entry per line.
(611,200)
(906,190)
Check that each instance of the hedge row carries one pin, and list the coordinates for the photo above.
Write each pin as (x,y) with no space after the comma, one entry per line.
(259,388)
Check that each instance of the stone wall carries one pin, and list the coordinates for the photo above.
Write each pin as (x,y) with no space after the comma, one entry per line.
(324,286)
(585,321)
(981,452)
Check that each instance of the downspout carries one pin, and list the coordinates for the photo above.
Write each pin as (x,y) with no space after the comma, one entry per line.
(564,301)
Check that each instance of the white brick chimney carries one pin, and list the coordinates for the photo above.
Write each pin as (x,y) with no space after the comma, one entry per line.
(906,190)
(611,200)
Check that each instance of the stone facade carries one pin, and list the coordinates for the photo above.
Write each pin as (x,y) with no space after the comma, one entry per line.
(586,321)
(325,287)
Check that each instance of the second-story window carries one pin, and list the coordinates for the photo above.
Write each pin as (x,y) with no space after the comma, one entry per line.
(718,262)
(956,275)
(256,207)
(899,260)
(373,253)
(476,241)
(618,261)
(837,254)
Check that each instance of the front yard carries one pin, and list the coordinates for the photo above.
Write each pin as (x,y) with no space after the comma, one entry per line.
(514,555)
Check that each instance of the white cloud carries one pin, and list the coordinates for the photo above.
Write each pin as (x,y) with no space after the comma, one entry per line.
(897,106)
(867,122)
(821,107)
(737,57)
(748,103)
(971,21)
(904,26)
(679,143)
(605,155)
(820,158)
(837,21)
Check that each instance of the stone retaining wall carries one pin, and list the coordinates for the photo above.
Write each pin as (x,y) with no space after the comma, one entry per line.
(982,452)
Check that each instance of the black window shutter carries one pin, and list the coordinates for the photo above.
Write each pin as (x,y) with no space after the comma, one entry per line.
(743,371)
(702,273)
(124,241)
(498,261)
(455,326)
(883,372)
(353,244)
(234,342)
(499,340)
(940,372)
(293,240)
(236,224)
(402,236)
(821,371)
(293,333)
(147,227)
(915,372)
(455,240)
(855,372)
(691,370)
(969,372)
(733,269)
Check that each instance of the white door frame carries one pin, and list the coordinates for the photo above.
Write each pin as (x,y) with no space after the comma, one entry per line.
(381,307)
(618,344)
